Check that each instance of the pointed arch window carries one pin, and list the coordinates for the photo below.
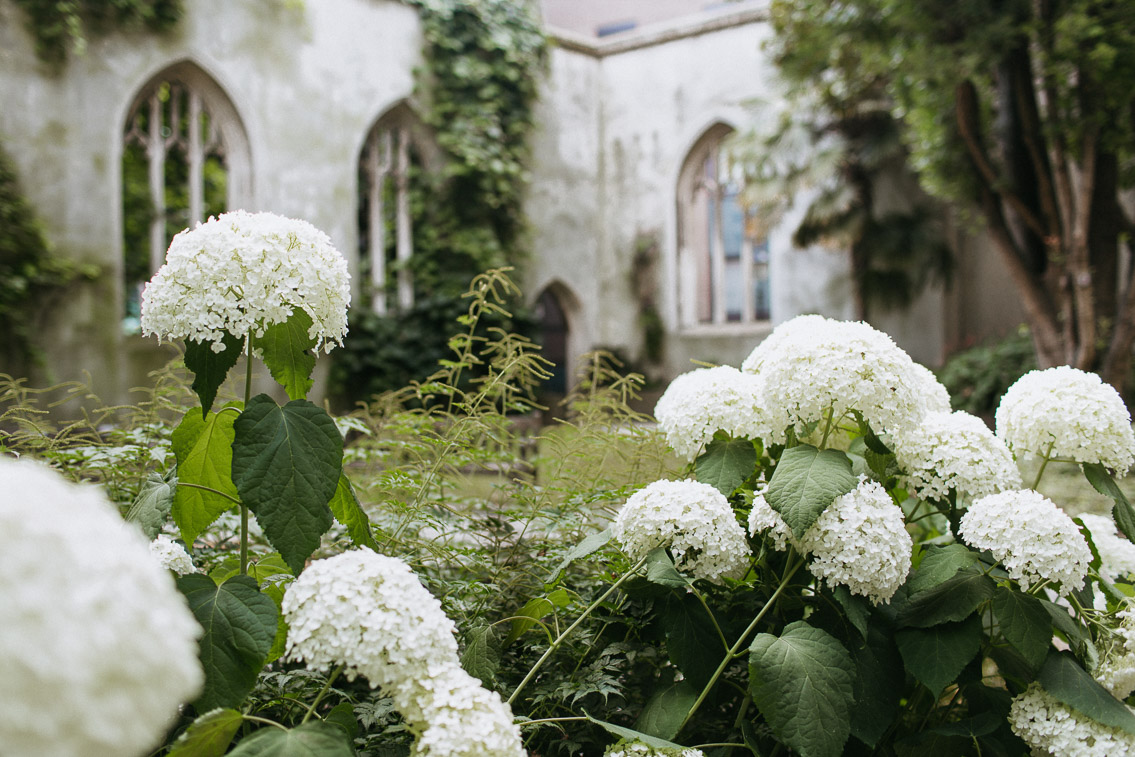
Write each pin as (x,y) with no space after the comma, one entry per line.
(723,258)
(396,155)
(184,158)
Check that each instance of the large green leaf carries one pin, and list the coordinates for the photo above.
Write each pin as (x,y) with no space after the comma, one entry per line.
(878,684)
(666,709)
(240,624)
(153,504)
(208,735)
(210,368)
(1123,513)
(307,740)
(347,509)
(1063,678)
(802,683)
(726,463)
(939,564)
(935,656)
(204,452)
(691,640)
(1024,622)
(287,351)
(630,733)
(589,545)
(286,465)
(481,656)
(953,599)
(660,570)
(805,482)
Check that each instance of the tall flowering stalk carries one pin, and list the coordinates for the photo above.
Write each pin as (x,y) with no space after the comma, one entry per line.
(900,588)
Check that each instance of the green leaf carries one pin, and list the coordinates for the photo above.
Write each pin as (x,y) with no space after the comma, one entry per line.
(589,545)
(802,684)
(691,640)
(347,509)
(481,657)
(153,504)
(210,368)
(660,570)
(526,617)
(1123,513)
(953,599)
(939,564)
(286,465)
(856,609)
(805,482)
(1024,622)
(203,447)
(307,740)
(633,735)
(343,715)
(726,463)
(240,624)
(666,710)
(1063,678)
(935,656)
(208,735)
(287,351)
(878,683)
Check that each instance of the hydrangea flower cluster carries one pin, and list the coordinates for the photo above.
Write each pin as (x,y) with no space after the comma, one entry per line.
(954,451)
(1116,670)
(171,555)
(240,272)
(1052,728)
(1030,536)
(693,519)
(1067,413)
(706,400)
(97,647)
(638,749)
(370,613)
(811,366)
(1117,554)
(860,541)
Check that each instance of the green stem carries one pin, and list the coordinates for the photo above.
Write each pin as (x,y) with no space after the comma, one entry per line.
(1043,465)
(560,639)
(326,687)
(244,507)
(827,427)
(525,723)
(731,655)
(265,721)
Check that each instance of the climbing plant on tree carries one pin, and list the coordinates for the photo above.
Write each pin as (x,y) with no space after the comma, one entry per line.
(61,28)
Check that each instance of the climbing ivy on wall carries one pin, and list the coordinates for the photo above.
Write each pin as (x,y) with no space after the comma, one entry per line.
(61,28)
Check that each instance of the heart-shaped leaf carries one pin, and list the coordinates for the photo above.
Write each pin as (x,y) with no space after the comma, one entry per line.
(286,349)
(210,368)
(203,448)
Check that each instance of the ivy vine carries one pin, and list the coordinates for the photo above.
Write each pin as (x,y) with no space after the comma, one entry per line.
(61,28)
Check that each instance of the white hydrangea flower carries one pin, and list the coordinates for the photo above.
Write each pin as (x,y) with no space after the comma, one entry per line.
(765,521)
(1052,728)
(1070,411)
(171,555)
(691,518)
(370,613)
(1117,554)
(1116,669)
(240,272)
(954,451)
(706,400)
(98,649)
(639,749)
(860,541)
(1030,536)
(820,365)
(936,395)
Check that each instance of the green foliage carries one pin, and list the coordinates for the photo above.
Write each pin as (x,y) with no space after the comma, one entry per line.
(287,351)
(726,463)
(29,273)
(806,481)
(204,451)
(61,29)
(977,377)
(307,740)
(210,368)
(209,735)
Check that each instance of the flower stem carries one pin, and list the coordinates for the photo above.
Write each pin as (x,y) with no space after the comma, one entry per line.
(1043,465)
(560,639)
(326,687)
(731,655)
(244,507)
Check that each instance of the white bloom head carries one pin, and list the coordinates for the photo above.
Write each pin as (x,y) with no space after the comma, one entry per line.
(928,386)
(860,541)
(1030,536)
(241,272)
(460,718)
(1067,413)
(764,521)
(1117,554)
(706,400)
(1050,727)
(1116,669)
(691,518)
(954,451)
(820,366)
(171,555)
(97,647)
